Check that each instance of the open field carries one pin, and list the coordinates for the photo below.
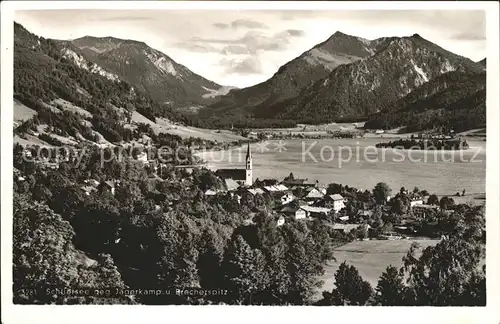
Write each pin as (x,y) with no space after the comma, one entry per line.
(163,125)
(371,258)
(69,106)
(473,199)
(22,112)
(30,141)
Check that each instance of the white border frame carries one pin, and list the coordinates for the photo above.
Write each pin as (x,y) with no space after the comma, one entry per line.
(133,314)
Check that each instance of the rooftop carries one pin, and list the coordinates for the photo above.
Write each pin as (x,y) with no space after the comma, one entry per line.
(235,174)
(312,209)
(426,206)
(336,197)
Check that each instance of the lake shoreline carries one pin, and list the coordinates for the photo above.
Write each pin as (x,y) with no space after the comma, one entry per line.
(435,170)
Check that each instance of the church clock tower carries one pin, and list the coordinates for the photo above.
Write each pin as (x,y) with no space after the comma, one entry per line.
(248,167)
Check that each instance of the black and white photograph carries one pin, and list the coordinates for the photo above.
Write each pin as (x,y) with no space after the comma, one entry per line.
(253,156)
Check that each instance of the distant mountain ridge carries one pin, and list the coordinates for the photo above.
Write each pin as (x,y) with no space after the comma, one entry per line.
(75,98)
(367,86)
(301,72)
(150,70)
(372,76)
(343,78)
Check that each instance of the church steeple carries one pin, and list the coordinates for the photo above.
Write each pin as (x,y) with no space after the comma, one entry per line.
(248,167)
(249,154)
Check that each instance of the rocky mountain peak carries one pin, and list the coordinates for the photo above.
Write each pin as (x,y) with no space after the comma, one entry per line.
(148,69)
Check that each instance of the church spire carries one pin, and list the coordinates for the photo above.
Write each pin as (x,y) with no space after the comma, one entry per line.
(249,154)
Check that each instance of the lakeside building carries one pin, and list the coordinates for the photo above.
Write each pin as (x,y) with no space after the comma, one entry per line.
(238,174)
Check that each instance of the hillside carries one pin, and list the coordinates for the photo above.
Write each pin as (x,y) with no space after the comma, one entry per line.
(150,70)
(453,101)
(62,97)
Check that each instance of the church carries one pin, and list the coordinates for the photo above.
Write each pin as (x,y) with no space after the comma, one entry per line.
(240,175)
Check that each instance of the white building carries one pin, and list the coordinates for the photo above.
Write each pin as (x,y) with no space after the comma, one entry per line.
(314,194)
(142,157)
(281,221)
(336,202)
(416,201)
(295,212)
(27,153)
(287,198)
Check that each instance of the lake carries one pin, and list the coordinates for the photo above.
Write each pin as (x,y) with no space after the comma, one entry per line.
(357,163)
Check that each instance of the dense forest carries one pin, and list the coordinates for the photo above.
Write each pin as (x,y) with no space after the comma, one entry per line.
(454,101)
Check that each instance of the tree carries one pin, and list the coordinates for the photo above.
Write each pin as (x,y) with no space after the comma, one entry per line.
(381,193)
(290,177)
(299,192)
(433,200)
(387,228)
(400,204)
(244,271)
(446,274)
(45,258)
(350,289)
(334,188)
(446,203)
(390,290)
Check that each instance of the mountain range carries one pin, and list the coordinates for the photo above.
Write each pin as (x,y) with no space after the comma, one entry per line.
(353,78)
(150,70)
(343,78)
(314,64)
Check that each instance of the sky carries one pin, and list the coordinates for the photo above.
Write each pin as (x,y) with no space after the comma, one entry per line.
(245,47)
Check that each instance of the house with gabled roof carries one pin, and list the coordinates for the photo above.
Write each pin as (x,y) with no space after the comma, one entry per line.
(256,191)
(294,211)
(335,201)
(314,194)
(287,198)
(312,211)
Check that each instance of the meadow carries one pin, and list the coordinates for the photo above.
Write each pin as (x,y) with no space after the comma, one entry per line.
(371,258)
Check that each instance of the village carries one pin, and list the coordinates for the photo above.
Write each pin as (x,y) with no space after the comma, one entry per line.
(294,199)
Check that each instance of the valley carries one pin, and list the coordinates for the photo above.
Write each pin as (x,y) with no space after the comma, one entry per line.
(145,175)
